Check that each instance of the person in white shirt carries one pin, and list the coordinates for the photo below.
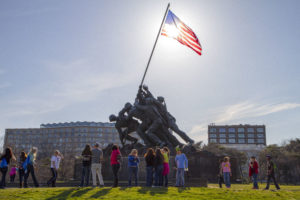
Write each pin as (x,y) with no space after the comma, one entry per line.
(55,161)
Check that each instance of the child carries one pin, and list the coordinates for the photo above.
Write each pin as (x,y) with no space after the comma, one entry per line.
(271,173)
(21,169)
(158,167)
(149,158)
(133,166)
(181,166)
(253,171)
(4,162)
(220,175)
(12,173)
(226,169)
(86,165)
(166,154)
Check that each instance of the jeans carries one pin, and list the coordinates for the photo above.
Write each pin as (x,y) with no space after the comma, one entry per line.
(4,172)
(254,177)
(52,180)
(96,170)
(149,179)
(272,176)
(133,171)
(115,169)
(30,170)
(21,176)
(226,176)
(85,175)
(158,175)
(165,180)
(180,177)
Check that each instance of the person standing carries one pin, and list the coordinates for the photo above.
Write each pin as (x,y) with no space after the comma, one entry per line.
(5,159)
(133,166)
(181,166)
(149,158)
(220,175)
(12,173)
(226,169)
(86,165)
(166,171)
(159,167)
(253,171)
(97,156)
(21,166)
(271,173)
(30,163)
(54,166)
(115,159)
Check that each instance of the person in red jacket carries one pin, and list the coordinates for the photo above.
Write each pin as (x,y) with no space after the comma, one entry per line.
(253,171)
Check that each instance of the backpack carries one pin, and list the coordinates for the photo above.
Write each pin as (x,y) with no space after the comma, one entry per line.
(3,163)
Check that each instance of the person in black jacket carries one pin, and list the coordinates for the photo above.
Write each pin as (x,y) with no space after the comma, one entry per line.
(86,165)
(4,162)
(159,167)
(271,173)
(149,158)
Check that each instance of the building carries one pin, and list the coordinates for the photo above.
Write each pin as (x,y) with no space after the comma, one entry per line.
(69,138)
(242,137)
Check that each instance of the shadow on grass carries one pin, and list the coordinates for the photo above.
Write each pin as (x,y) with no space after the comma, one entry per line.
(153,191)
(182,189)
(101,192)
(63,195)
(81,192)
(124,188)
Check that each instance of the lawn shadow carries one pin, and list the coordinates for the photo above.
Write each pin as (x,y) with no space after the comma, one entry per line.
(63,195)
(182,189)
(153,191)
(124,188)
(81,192)
(101,192)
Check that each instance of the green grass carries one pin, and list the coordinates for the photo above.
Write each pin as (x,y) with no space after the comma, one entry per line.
(212,192)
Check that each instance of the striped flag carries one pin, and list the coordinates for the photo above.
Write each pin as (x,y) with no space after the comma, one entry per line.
(176,29)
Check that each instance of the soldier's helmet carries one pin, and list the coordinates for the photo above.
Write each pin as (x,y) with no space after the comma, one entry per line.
(128,105)
(145,87)
(161,99)
(112,118)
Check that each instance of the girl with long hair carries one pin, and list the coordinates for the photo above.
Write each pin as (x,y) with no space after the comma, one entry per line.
(149,158)
(5,159)
(30,162)
(86,165)
(159,167)
(21,170)
(166,171)
(115,159)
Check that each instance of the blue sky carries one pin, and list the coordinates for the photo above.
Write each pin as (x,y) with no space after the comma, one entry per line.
(63,61)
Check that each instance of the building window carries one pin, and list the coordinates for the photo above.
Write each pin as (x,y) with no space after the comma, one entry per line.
(222,135)
(222,141)
(222,130)
(213,140)
(231,135)
(212,130)
(231,130)
(260,135)
(250,130)
(231,141)
(260,130)
(241,141)
(260,141)
(241,130)
(212,135)
(241,135)
(250,135)
(251,141)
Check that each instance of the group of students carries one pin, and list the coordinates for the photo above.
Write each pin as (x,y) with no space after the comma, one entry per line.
(225,172)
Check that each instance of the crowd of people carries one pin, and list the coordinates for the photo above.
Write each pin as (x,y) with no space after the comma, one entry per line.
(156,160)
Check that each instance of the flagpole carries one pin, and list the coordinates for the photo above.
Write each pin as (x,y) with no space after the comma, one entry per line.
(162,23)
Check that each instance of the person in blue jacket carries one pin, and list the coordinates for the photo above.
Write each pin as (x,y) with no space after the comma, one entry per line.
(133,166)
(4,162)
(181,166)
(29,167)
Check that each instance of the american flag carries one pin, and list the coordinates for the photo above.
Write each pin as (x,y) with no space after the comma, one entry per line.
(175,28)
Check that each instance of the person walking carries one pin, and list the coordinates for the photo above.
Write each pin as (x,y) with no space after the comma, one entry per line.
(29,167)
(166,170)
(86,165)
(226,169)
(159,167)
(220,175)
(97,157)
(5,159)
(271,173)
(149,158)
(181,166)
(54,166)
(253,171)
(12,173)
(115,159)
(21,166)
(133,166)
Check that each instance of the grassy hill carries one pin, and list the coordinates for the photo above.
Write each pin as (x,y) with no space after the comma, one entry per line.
(212,192)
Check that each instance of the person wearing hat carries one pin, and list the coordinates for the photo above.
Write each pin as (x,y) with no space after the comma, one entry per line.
(181,165)
(54,166)
(271,173)
(97,156)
